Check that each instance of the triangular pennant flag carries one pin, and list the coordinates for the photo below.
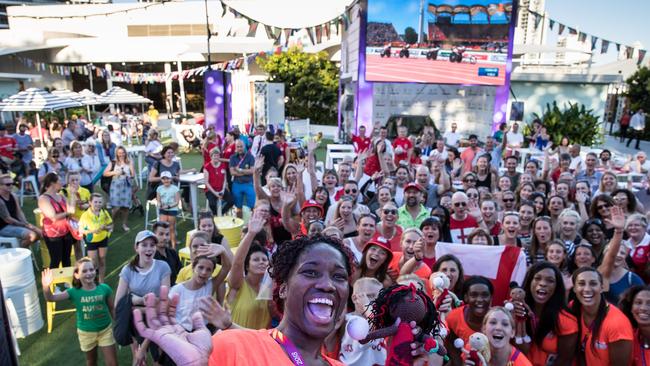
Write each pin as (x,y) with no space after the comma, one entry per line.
(235,13)
(551,23)
(560,29)
(252,28)
(326,27)
(277,33)
(269,31)
(572,31)
(538,18)
(345,21)
(310,33)
(641,56)
(618,47)
(287,34)
(224,9)
(582,37)
(594,39)
(629,51)
(604,45)
(319,33)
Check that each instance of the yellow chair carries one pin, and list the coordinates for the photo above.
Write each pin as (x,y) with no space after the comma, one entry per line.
(60,275)
(184,255)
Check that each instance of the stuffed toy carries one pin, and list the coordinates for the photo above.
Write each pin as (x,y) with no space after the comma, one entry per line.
(392,313)
(518,294)
(479,351)
(440,284)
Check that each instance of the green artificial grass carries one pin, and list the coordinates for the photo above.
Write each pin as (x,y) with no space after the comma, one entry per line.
(61,347)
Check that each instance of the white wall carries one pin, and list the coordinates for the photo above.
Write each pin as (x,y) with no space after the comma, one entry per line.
(536,95)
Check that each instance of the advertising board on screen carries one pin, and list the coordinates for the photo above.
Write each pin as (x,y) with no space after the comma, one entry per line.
(443,41)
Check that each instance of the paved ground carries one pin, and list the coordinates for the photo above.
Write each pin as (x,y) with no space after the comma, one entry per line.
(613,144)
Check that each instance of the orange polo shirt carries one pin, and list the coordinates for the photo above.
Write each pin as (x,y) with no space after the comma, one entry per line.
(244,347)
(423,272)
(567,324)
(615,327)
(457,324)
(640,354)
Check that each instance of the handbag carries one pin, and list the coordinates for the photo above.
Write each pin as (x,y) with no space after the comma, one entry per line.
(152,186)
(73,227)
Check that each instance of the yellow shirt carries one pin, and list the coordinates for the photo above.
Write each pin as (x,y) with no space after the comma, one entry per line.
(247,311)
(83,195)
(90,222)
(185,274)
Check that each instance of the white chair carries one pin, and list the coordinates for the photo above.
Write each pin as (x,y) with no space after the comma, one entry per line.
(148,222)
(21,193)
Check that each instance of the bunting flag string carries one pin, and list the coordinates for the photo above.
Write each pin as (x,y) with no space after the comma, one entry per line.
(141,77)
(582,37)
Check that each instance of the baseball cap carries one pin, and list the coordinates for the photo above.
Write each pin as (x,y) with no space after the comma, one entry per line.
(414,186)
(166,174)
(311,203)
(381,242)
(145,234)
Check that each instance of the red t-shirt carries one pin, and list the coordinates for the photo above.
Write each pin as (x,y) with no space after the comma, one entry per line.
(405,144)
(283,148)
(216,175)
(7,142)
(396,241)
(423,272)
(496,229)
(460,230)
(228,151)
(372,165)
(206,154)
(360,143)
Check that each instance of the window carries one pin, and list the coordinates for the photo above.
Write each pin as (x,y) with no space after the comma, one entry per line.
(167,30)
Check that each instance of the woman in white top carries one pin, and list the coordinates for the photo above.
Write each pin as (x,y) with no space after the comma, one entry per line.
(366,230)
(90,163)
(74,162)
(152,148)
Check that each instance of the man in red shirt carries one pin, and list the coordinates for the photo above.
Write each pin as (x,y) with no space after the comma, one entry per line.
(7,146)
(402,146)
(215,188)
(461,223)
(467,156)
(361,142)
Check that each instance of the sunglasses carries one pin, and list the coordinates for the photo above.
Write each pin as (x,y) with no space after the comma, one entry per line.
(469,180)
(390,212)
(600,207)
(353,190)
(460,204)
(472,195)
(508,200)
(8,184)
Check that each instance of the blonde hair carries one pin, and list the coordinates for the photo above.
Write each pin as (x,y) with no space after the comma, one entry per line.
(501,309)
(365,282)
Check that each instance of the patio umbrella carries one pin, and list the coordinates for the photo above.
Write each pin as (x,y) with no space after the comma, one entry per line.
(85,97)
(65,93)
(36,100)
(117,95)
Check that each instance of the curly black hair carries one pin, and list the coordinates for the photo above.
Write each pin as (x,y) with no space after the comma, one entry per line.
(286,257)
(627,299)
(381,317)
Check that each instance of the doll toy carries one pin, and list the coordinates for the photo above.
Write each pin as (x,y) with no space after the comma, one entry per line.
(440,284)
(517,294)
(479,351)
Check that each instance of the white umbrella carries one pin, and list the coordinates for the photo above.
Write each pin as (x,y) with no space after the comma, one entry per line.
(65,93)
(89,98)
(36,100)
(117,95)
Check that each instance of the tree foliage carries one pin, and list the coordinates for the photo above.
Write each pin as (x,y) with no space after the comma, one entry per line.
(310,83)
(410,35)
(639,89)
(576,122)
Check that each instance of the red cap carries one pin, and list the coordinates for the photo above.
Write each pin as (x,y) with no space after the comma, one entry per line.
(381,242)
(413,185)
(311,203)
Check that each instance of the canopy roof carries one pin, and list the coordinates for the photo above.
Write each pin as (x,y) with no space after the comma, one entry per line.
(36,100)
(117,95)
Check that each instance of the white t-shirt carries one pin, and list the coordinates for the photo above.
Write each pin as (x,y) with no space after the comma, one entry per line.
(516,139)
(451,138)
(353,248)
(354,353)
(435,154)
(153,147)
(188,302)
(576,163)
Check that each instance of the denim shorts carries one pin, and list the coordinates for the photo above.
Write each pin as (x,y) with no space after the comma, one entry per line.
(12,231)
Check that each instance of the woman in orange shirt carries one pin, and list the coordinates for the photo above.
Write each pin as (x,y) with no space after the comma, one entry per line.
(499,327)
(606,336)
(635,303)
(554,330)
(467,319)
(311,282)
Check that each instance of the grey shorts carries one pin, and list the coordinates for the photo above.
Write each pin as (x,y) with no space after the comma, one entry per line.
(12,231)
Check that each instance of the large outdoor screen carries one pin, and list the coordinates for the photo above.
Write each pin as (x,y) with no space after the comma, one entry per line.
(447,41)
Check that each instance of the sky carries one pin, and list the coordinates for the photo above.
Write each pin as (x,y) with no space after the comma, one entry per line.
(620,21)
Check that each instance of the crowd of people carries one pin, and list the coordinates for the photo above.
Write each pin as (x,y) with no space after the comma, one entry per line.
(321,248)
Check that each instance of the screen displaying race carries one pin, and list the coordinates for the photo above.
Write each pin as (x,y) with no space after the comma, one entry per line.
(447,42)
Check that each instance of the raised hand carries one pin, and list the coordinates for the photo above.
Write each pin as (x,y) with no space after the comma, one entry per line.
(255,224)
(184,348)
(312,145)
(214,313)
(259,162)
(474,210)
(46,278)
(288,195)
(300,168)
(339,223)
(581,197)
(211,250)
(418,249)
(617,218)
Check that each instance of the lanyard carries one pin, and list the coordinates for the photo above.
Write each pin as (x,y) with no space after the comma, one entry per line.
(641,348)
(287,346)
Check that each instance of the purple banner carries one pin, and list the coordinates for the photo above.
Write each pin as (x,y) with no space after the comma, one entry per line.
(502,93)
(216,101)
(363,105)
